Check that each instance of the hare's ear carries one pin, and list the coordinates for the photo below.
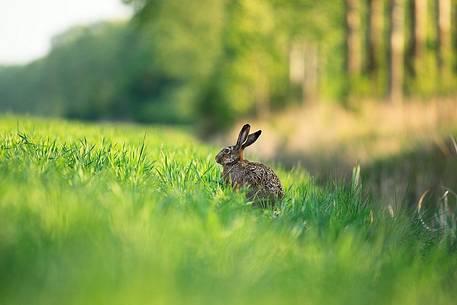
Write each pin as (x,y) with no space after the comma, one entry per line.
(243,135)
(251,138)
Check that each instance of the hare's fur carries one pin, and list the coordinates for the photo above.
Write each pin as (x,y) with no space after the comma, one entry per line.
(261,181)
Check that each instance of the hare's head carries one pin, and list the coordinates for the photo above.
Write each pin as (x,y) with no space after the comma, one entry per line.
(231,154)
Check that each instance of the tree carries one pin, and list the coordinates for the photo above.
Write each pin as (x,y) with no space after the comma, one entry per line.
(419,29)
(396,49)
(179,44)
(353,37)
(444,34)
(375,26)
(250,66)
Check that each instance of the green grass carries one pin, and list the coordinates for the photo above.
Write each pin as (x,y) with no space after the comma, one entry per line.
(124,214)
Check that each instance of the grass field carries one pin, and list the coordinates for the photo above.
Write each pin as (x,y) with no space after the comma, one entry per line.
(124,214)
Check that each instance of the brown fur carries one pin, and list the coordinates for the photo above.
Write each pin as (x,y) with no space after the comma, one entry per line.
(261,181)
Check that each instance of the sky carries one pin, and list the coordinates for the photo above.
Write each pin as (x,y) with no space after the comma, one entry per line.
(27,26)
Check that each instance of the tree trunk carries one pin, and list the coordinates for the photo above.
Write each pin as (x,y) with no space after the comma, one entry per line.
(353,38)
(396,40)
(454,31)
(310,81)
(444,33)
(420,29)
(304,70)
(375,24)
(296,64)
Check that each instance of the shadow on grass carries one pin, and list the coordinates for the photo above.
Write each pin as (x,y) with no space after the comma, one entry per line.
(398,179)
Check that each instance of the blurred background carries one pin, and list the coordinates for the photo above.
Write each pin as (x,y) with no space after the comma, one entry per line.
(333,83)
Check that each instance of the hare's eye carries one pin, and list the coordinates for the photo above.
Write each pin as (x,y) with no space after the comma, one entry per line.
(226,150)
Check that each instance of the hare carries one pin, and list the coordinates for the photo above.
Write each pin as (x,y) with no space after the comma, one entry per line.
(262,183)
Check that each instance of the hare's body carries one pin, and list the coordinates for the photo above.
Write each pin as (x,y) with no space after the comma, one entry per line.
(261,182)
(259,179)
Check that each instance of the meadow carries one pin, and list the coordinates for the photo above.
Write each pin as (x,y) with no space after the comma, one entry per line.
(132,214)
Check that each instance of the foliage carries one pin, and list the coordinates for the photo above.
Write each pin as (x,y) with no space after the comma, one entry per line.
(123,214)
(179,45)
(210,62)
(74,79)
